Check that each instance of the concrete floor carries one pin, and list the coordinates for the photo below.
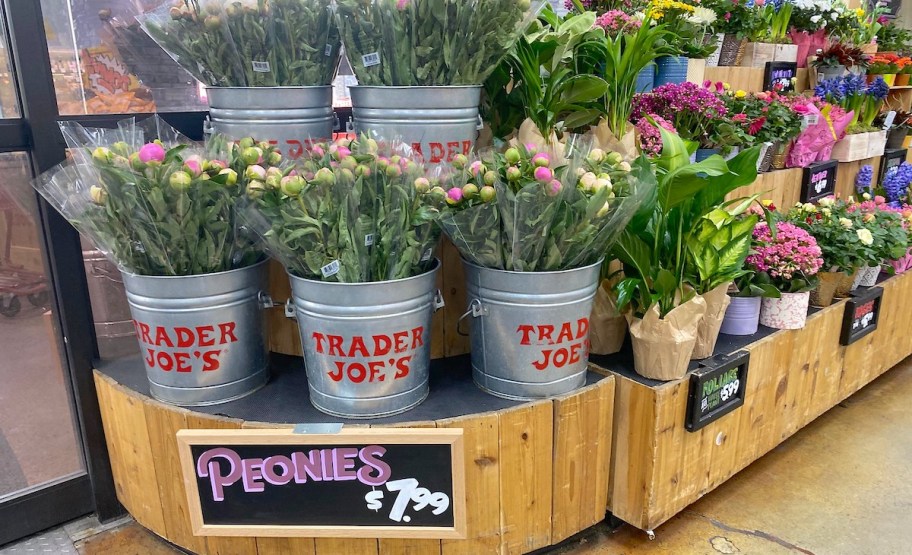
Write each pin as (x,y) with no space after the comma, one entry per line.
(838,487)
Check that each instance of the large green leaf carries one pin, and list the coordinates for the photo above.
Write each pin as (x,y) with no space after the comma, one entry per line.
(582,88)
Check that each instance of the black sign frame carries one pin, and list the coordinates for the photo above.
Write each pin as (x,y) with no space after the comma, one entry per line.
(772,68)
(709,370)
(860,298)
(889,155)
(282,441)
(808,194)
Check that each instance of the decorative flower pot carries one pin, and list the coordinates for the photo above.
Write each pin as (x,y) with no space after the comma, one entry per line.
(870,48)
(827,282)
(902,80)
(780,154)
(678,69)
(742,317)
(788,312)
(728,53)
(708,329)
(832,72)
(877,141)
(859,146)
(896,136)
(662,347)
(785,53)
(646,79)
(907,142)
(757,54)
(846,284)
(506,307)
(903,263)
(735,150)
(765,160)
(713,59)
(607,326)
(703,153)
(889,79)
(866,276)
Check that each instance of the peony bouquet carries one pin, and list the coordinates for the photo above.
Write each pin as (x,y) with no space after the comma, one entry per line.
(153,202)
(349,212)
(249,43)
(524,211)
(430,42)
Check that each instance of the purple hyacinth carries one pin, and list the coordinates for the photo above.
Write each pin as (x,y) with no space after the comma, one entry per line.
(879,89)
(833,90)
(896,185)
(863,179)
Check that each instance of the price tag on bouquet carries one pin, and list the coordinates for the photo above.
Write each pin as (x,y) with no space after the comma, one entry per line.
(359,482)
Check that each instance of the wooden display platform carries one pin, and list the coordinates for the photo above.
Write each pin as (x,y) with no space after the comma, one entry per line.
(659,468)
(536,473)
(748,79)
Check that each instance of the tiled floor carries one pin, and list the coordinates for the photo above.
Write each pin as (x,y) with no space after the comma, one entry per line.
(838,487)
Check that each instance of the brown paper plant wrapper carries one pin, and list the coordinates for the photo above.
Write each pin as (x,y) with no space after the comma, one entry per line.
(601,136)
(607,326)
(662,347)
(604,139)
(717,301)
(846,283)
(528,134)
(823,294)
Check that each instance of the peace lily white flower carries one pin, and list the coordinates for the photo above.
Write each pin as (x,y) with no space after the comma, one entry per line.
(865,236)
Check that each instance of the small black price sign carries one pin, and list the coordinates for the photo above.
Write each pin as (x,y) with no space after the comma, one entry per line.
(862,310)
(716,388)
(890,162)
(779,76)
(819,181)
(361,483)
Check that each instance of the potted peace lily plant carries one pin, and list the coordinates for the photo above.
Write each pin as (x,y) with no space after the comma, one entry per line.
(680,253)
(163,209)
(275,56)
(411,82)
(788,258)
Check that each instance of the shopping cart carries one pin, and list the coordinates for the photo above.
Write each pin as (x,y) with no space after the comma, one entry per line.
(15,281)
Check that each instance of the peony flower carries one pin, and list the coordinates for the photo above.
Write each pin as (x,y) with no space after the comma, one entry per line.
(151,152)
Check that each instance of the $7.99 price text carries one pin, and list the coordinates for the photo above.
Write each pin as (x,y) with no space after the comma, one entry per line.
(408,491)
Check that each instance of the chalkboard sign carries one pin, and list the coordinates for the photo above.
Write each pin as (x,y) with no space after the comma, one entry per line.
(716,388)
(819,181)
(890,162)
(862,310)
(362,483)
(780,76)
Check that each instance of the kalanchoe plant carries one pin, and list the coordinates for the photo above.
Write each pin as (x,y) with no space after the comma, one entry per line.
(161,208)
(265,43)
(522,211)
(784,256)
(423,43)
(350,212)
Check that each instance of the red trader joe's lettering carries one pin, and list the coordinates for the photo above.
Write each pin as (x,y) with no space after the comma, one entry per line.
(571,341)
(379,347)
(180,348)
(442,152)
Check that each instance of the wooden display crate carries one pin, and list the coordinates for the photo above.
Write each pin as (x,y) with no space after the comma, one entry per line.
(749,79)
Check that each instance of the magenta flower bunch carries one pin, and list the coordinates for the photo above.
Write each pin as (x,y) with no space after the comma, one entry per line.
(650,136)
(791,258)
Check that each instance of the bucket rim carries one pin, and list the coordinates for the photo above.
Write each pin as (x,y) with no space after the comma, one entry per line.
(131,275)
(287,87)
(551,273)
(419,87)
(436,267)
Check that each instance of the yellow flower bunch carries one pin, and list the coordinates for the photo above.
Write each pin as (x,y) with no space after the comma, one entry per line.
(657,8)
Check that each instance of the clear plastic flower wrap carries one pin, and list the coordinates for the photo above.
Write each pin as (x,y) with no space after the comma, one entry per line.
(154,202)
(524,211)
(430,42)
(350,212)
(249,43)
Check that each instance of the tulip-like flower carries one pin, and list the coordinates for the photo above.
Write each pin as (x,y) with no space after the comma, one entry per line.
(151,153)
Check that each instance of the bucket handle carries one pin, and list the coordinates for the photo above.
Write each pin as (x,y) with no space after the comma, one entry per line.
(480,123)
(102,272)
(476,309)
(438,301)
(266,300)
(290,310)
(207,126)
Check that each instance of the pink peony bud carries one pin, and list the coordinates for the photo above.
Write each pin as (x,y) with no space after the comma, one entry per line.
(255,172)
(513,173)
(554,187)
(543,174)
(541,160)
(487,193)
(469,191)
(422,185)
(454,195)
(477,167)
(531,148)
(151,152)
(193,166)
(317,151)
(512,155)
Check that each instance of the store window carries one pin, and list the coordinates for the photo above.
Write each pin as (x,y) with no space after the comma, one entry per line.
(103,63)
(9,104)
(36,415)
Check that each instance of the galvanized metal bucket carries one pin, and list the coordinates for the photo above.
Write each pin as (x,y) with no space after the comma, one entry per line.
(530,330)
(201,337)
(438,122)
(110,310)
(291,117)
(366,345)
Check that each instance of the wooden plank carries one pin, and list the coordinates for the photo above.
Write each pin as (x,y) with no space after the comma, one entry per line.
(131,444)
(526,440)
(848,171)
(454,294)
(482,478)
(749,79)
(164,422)
(340,546)
(283,332)
(782,187)
(112,433)
(285,546)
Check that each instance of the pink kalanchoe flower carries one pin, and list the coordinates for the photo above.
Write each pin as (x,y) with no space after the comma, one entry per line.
(151,152)
(543,174)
